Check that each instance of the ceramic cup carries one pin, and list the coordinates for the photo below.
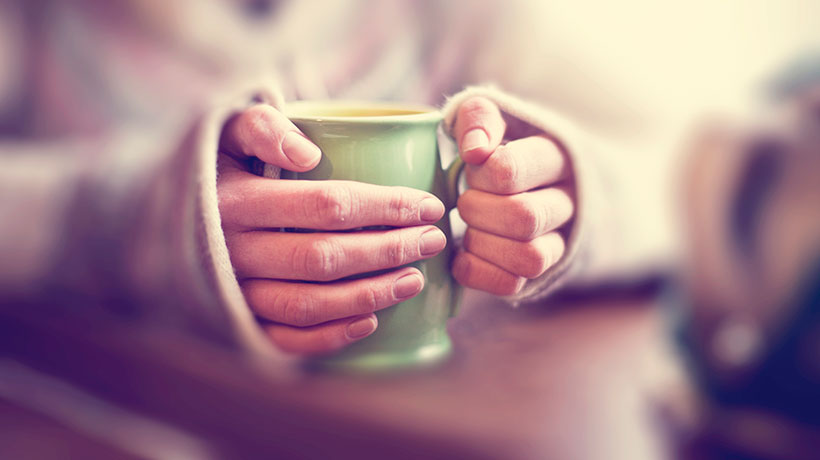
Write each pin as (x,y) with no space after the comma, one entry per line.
(389,144)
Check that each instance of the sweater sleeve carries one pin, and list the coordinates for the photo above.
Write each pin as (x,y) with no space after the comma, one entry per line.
(213,247)
(128,221)
(593,234)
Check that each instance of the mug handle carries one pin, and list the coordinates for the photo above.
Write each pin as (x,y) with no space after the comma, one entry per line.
(452,174)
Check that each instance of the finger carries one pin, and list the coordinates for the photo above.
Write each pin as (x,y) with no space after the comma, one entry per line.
(304,304)
(479,129)
(322,338)
(518,166)
(264,132)
(523,216)
(330,256)
(473,272)
(529,259)
(247,201)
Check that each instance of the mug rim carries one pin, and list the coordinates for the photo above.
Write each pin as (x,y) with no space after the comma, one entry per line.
(301,111)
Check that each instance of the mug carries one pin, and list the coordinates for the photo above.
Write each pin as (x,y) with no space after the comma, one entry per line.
(394,145)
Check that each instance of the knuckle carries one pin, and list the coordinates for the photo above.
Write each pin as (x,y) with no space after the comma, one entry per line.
(476,107)
(527,218)
(534,260)
(369,298)
(503,169)
(256,124)
(319,259)
(296,310)
(548,217)
(401,207)
(395,252)
(507,284)
(333,205)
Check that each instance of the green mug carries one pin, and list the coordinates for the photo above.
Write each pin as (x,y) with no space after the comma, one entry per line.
(389,144)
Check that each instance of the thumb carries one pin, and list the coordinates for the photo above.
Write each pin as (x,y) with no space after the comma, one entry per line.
(479,129)
(264,132)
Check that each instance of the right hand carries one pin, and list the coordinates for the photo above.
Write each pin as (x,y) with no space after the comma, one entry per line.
(293,280)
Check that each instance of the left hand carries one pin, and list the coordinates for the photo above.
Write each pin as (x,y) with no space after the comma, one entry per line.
(519,196)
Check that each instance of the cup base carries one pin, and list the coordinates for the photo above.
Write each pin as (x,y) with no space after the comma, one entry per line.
(374,362)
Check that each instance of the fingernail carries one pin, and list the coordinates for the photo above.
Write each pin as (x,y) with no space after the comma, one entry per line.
(474,139)
(431,210)
(361,328)
(407,286)
(299,149)
(432,242)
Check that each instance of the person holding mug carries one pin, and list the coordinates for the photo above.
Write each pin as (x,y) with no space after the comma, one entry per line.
(130,159)
(517,202)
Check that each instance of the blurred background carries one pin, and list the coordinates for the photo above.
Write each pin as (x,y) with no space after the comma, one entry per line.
(694,334)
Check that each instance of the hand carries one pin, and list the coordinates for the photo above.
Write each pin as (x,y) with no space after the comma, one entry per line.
(516,203)
(293,280)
